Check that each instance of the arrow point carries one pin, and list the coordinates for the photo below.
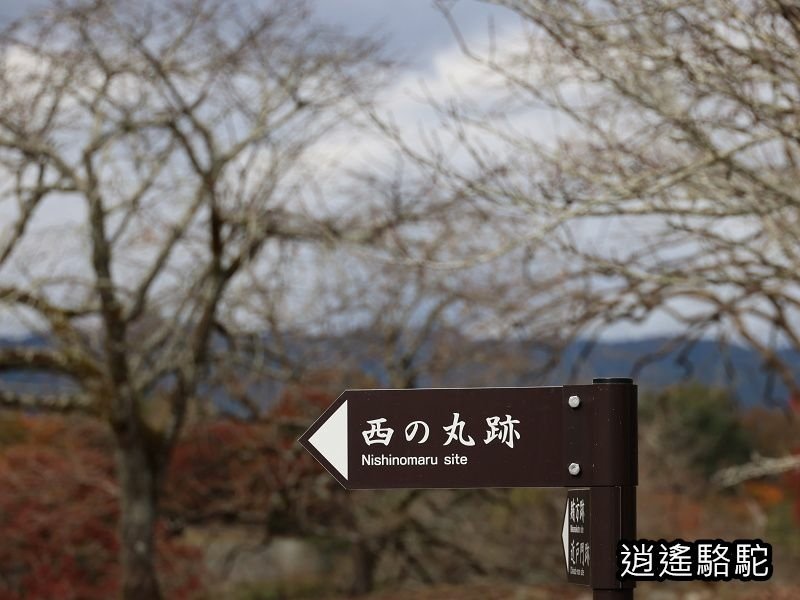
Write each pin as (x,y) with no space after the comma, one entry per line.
(330,440)
(565,535)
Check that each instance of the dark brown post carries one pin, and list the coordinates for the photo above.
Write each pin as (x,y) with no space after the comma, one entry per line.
(613,507)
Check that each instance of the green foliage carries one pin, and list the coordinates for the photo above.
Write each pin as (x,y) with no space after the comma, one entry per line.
(280,591)
(702,424)
(782,529)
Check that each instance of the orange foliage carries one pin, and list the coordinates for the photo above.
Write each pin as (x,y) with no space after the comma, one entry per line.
(766,493)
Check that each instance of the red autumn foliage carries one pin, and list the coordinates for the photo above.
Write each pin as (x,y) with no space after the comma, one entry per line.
(792,479)
(59,499)
(301,402)
(794,403)
(59,505)
(217,471)
(229,469)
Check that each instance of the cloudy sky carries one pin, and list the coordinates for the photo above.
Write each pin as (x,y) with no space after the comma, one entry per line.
(13,9)
(418,36)
(414,29)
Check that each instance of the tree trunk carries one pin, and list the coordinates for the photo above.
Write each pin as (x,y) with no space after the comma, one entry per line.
(138,477)
(364,563)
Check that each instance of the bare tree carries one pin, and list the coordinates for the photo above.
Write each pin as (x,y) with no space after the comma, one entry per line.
(655,145)
(173,138)
(654,148)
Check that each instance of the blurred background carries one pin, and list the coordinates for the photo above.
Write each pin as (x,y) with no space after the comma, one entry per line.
(216,216)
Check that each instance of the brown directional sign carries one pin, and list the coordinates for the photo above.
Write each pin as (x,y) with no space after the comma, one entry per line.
(478,437)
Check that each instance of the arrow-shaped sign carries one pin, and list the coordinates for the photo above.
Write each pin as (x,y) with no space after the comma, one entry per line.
(463,438)
(565,536)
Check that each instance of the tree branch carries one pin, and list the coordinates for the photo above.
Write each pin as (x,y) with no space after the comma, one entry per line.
(761,466)
(59,403)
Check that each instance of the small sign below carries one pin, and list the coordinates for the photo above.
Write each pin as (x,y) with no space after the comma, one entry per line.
(576,536)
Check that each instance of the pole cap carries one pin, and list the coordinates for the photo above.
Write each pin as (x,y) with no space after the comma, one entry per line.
(623,380)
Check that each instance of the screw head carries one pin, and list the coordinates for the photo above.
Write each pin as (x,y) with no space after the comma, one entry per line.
(574,469)
(574,401)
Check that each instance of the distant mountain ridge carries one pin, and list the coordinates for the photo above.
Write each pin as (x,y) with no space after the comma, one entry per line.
(733,367)
(736,368)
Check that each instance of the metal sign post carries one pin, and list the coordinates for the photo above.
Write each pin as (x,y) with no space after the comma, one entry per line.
(574,436)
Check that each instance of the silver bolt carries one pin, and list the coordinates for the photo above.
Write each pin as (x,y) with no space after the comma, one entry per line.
(574,469)
(574,401)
